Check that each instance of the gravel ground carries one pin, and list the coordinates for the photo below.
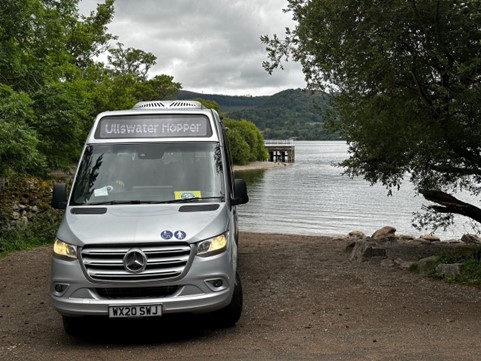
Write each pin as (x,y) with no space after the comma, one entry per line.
(303,300)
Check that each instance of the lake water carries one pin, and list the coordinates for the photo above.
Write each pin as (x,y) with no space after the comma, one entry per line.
(312,197)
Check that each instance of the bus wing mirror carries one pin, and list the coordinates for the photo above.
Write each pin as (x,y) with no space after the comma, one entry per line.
(240,192)
(59,196)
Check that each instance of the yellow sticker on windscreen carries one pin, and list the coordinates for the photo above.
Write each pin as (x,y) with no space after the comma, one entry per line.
(187,194)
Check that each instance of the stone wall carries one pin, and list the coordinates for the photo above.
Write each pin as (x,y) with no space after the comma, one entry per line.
(21,199)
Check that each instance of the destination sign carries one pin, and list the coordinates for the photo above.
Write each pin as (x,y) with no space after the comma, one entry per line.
(153,126)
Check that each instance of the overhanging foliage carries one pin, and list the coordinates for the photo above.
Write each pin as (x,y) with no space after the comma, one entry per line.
(405,80)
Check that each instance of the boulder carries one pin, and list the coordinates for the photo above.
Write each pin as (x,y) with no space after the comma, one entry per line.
(448,270)
(425,262)
(405,238)
(366,249)
(471,239)
(357,234)
(385,234)
(430,238)
(402,264)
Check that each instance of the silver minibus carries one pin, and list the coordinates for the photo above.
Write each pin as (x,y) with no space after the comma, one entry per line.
(150,223)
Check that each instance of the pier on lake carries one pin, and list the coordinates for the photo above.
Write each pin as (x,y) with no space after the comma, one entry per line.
(281,150)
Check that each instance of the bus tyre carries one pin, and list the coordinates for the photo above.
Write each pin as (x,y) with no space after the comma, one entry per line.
(228,316)
(73,326)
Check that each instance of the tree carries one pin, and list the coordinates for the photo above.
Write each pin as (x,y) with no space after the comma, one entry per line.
(131,61)
(405,80)
(52,83)
(18,148)
(46,51)
(245,140)
(88,38)
(63,116)
(239,148)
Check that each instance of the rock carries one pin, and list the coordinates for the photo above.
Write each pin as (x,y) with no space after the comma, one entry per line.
(430,238)
(366,249)
(448,270)
(428,260)
(357,234)
(405,238)
(416,255)
(387,263)
(471,239)
(402,263)
(385,234)
(350,247)
(424,263)
(453,241)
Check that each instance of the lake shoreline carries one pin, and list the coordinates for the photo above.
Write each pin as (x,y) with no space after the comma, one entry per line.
(259,166)
(427,238)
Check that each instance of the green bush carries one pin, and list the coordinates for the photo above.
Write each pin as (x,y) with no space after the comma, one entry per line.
(246,141)
(470,271)
(239,148)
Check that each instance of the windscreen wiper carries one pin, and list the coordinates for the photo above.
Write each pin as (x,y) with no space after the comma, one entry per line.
(114,202)
(193,199)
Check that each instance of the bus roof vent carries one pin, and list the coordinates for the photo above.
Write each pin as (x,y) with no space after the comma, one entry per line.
(168,104)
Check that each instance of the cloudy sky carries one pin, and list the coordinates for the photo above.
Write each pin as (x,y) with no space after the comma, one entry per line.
(209,46)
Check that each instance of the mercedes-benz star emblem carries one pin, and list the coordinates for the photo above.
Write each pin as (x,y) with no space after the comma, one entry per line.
(135,261)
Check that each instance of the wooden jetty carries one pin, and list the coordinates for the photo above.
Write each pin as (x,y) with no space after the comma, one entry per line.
(281,150)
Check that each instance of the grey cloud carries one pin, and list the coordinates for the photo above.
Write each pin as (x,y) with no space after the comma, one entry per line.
(208,45)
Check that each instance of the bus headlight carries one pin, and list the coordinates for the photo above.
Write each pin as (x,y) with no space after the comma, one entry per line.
(212,246)
(63,249)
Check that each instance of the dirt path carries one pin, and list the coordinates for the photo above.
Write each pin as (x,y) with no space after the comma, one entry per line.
(303,300)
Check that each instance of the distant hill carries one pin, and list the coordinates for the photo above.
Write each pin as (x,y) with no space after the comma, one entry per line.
(292,113)
(227,103)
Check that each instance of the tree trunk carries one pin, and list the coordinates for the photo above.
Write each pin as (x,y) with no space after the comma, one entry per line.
(450,204)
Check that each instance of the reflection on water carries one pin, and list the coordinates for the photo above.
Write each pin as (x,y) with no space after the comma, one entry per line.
(312,197)
(252,177)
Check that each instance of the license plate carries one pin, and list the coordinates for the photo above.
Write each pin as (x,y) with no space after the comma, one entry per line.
(135,311)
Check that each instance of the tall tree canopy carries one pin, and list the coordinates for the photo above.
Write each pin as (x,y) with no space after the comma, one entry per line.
(405,76)
(52,84)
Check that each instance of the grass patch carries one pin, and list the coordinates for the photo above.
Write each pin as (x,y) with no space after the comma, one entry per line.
(470,271)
